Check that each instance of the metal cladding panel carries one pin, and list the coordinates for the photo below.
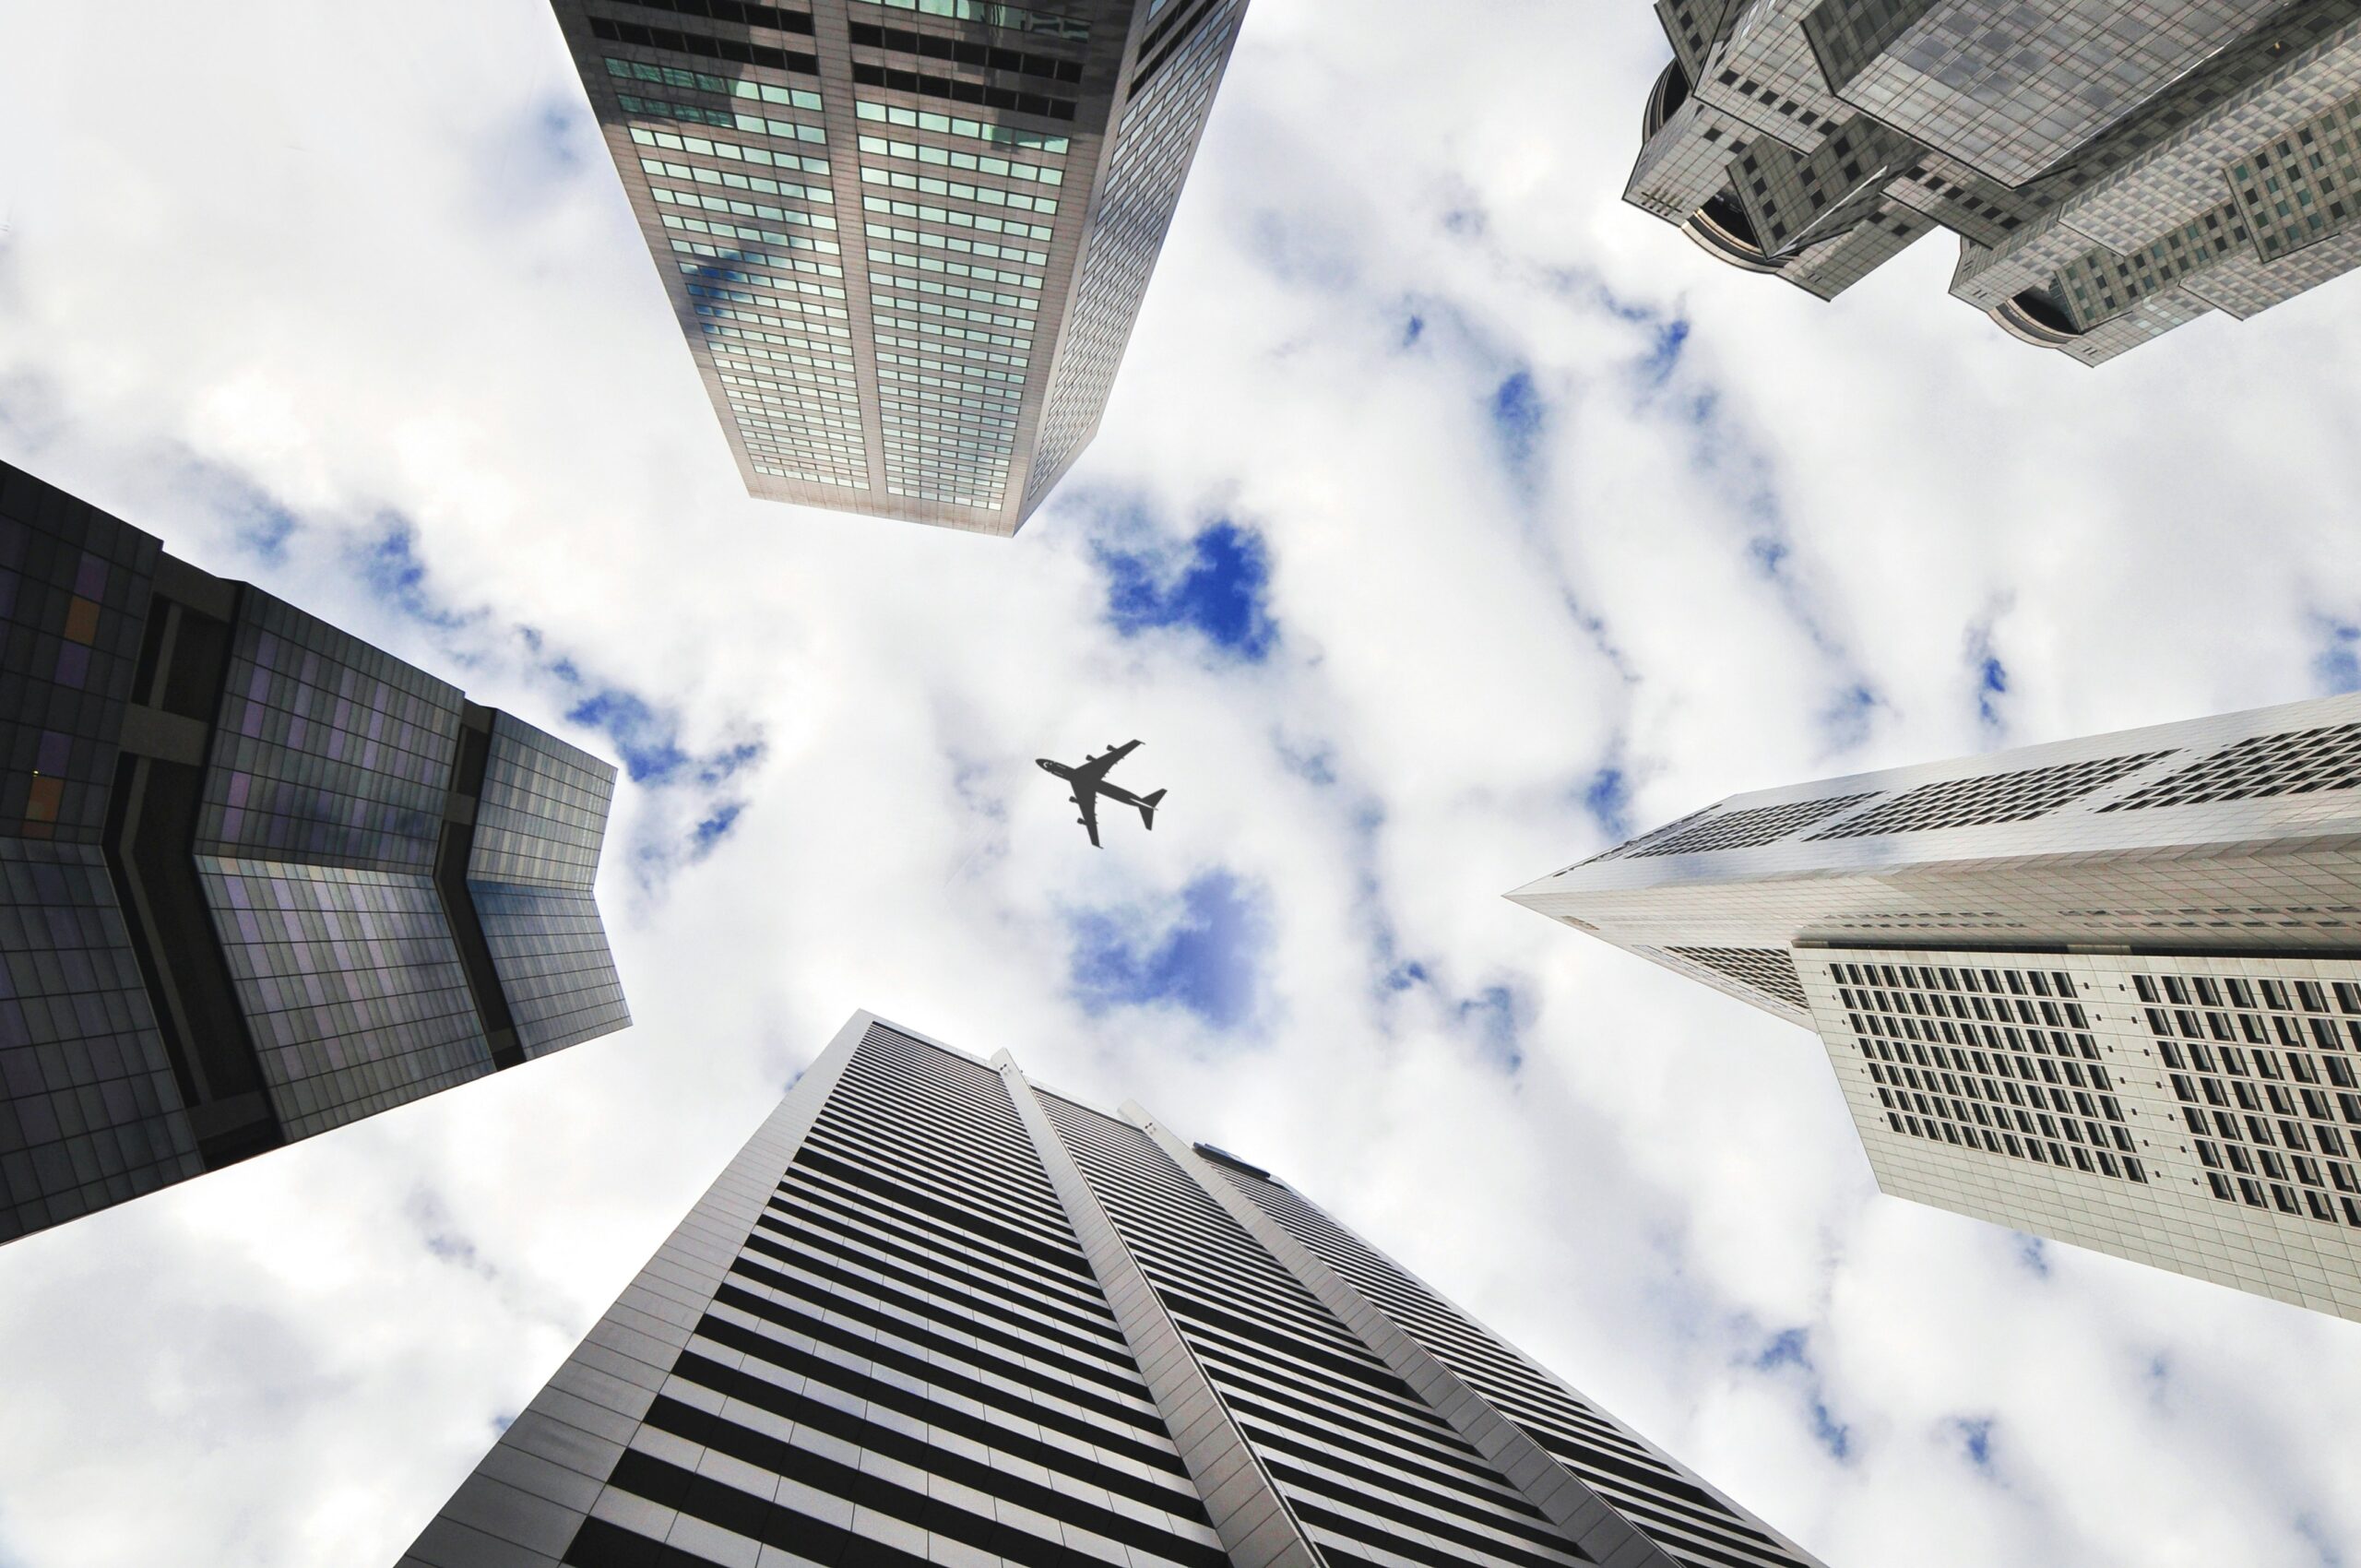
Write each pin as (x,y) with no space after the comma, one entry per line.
(874,218)
(2196,1113)
(886,1339)
(2242,831)
(533,860)
(2108,990)
(2112,172)
(955,1318)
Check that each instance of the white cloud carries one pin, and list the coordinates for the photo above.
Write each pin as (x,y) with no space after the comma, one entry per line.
(371,265)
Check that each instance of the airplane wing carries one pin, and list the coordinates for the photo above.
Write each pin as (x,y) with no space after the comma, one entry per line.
(1094,769)
(1088,801)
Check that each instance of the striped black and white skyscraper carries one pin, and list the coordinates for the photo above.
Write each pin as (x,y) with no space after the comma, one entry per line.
(907,239)
(262,879)
(2107,991)
(934,1313)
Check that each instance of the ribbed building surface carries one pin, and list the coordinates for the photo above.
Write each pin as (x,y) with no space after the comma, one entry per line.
(934,1313)
(2107,991)
(2112,171)
(263,879)
(907,239)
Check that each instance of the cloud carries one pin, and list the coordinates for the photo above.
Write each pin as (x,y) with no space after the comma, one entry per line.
(1200,954)
(385,339)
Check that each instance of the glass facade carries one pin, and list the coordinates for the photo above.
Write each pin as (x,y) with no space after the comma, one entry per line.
(538,829)
(224,830)
(2112,171)
(923,320)
(932,1314)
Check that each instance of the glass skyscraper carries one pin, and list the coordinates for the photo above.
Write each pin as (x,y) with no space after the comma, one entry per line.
(2107,991)
(934,1313)
(907,239)
(2112,171)
(263,879)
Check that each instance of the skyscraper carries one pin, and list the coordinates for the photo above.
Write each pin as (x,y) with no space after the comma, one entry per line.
(2107,991)
(2112,171)
(262,879)
(907,239)
(935,1313)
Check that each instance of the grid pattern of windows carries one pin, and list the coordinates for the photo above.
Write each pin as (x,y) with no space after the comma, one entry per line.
(2301,189)
(753,233)
(350,985)
(901,1329)
(1766,969)
(1989,798)
(1997,1059)
(326,748)
(1153,147)
(1367,1468)
(2265,1072)
(1011,19)
(1698,1528)
(90,1112)
(951,378)
(539,827)
(921,392)
(73,589)
(909,1362)
(2112,170)
(1745,829)
(2299,763)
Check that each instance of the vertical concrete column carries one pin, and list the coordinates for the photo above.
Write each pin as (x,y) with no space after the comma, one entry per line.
(1563,1498)
(1256,1526)
(522,1506)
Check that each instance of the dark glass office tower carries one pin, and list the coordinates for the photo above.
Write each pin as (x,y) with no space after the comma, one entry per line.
(907,239)
(2112,171)
(263,879)
(934,1313)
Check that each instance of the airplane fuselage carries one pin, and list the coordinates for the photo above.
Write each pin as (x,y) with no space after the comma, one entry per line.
(1097,785)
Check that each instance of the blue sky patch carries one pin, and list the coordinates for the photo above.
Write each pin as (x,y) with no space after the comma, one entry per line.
(1206,962)
(1976,1441)
(1220,591)
(2337,667)
(1518,413)
(1606,796)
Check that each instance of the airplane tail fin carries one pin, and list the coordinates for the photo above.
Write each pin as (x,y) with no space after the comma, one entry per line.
(1147,809)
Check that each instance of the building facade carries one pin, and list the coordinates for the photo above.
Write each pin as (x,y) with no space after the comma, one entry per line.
(263,879)
(934,1313)
(2111,171)
(2107,991)
(905,239)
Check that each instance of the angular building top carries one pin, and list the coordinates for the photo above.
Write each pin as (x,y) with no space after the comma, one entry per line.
(2111,171)
(264,879)
(934,1313)
(907,239)
(2106,989)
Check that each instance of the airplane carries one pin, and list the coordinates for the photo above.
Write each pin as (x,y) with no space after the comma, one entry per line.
(1089,782)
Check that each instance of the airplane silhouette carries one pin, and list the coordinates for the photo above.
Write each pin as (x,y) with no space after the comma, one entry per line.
(1089,781)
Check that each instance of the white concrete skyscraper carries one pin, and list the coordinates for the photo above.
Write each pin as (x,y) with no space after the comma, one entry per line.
(2107,991)
(934,1313)
(907,239)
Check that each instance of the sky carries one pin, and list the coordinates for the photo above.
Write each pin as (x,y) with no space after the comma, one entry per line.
(1450,520)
